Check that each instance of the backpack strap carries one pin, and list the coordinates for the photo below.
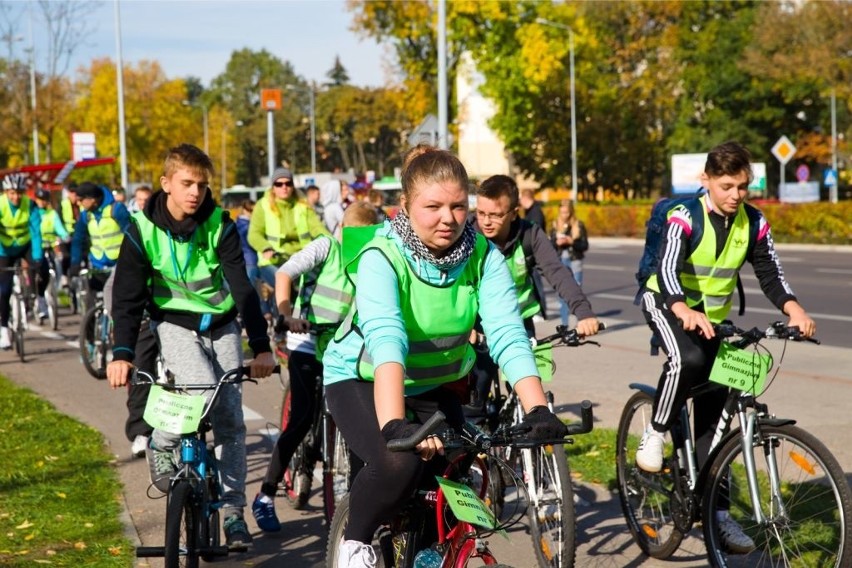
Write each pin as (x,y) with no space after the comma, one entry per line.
(753,228)
(527,245)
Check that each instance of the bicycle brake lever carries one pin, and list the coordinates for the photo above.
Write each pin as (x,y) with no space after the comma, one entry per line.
(590,342)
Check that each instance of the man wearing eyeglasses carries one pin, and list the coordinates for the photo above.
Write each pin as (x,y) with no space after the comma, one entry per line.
(526,248)
(281,225)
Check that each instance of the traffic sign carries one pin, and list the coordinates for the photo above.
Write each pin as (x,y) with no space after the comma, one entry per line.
(784,150)
(829,177)
(803,172)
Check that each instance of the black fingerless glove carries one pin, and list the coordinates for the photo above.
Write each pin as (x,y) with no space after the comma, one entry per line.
(542,424)
(398,428)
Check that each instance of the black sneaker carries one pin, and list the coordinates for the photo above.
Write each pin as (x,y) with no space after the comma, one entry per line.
(237,535)
(162,466)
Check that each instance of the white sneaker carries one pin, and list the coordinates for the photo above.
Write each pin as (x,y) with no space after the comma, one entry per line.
(649,456)
(733,538)
(356,554)
(5,338)
(41,307)
(140,444)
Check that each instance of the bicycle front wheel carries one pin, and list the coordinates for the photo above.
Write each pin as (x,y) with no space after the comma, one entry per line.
(551,505)
(802,496)
(646,498)
(297,479)
(92,343)
(52,297)
(182,528)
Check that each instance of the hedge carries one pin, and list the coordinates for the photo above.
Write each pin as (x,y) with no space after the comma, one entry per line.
(819,223)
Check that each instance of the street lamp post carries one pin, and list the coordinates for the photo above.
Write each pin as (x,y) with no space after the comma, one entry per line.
(312,111)
(33,90)
(203,122)
(119,69)
(573,105)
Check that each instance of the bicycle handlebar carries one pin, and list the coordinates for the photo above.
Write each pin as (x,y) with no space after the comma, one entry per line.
(471,436)
(569,337)
(776,330)
(238,375)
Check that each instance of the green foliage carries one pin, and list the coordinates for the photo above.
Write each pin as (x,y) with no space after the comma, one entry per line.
(59,496)
(592,457)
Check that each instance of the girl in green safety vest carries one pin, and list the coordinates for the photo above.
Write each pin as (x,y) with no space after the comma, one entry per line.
(325,297)
(52,233)
(404,353)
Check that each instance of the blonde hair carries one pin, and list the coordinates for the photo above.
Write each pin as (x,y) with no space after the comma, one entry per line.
(360,214)
(431,165)
(187,156)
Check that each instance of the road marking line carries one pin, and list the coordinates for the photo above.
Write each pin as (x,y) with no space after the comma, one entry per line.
(604,267)
(834,270)
(249,414)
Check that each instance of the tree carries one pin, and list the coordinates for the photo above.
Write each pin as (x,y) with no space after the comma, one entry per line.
(337,74)
(237,89)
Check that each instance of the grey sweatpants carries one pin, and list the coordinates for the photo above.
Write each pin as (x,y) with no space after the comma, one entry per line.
(202,358)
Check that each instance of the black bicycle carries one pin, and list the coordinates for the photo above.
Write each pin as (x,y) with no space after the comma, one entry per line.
(779,483)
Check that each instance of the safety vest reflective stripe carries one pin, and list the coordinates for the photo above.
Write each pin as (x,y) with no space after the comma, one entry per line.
(327,295)
(15,228)
(68,216)
(696,270)
(163,290)
(439,344)
(527,302)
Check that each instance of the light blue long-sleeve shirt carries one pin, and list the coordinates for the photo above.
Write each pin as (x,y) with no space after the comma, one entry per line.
(380,316)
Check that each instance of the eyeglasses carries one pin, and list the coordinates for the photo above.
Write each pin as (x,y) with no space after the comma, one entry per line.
(491,216)
(283,183)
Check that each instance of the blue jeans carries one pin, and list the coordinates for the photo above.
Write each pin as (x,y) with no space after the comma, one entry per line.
(576,267)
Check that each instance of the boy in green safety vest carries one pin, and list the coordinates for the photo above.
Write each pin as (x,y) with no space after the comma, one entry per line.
(692,289)
(20,239)
(52,233)
(325,297)
(527,250)
(182,261)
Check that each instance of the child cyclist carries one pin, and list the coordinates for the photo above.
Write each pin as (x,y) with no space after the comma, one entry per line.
(324,300)
(693,289)
(404,352)
(183,261)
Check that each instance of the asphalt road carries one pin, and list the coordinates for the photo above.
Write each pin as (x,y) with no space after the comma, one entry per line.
(813,386)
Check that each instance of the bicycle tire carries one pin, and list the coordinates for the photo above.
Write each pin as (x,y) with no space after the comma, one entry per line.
(19,316)
(296,482)
(551,507)
(182,528)
(336,470)
(52,298)
(381,540)
(814,523)
(646,506)
(91,353)
(210,527)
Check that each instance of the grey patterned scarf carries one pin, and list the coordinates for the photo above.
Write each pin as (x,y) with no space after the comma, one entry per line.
(459,252)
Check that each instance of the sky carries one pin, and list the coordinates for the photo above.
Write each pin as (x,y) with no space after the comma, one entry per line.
(197,37)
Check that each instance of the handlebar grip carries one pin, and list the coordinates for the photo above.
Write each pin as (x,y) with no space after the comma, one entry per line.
(601,326)
(245,371)
(405,444)
(586,420)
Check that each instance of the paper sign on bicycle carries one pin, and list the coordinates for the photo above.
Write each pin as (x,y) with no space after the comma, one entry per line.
(466,505)
(543,354)
(173,413)
(740,369)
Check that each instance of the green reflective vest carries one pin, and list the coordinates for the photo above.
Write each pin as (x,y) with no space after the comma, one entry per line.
(15,227)
(527,301)
(48,228)
(709,280)
(105,235)
(67,212)
(326,297)
(187,275)
(274,232)
(438,319)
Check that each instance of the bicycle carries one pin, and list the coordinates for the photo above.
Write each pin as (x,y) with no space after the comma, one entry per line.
(192,507)
(51,292)
(462,520)
(18,324)
(324,443)
(780,483)
(95,337)
(545,469)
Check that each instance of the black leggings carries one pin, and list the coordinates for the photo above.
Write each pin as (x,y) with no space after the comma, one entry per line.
(6,277)
(304,371)
(383,485)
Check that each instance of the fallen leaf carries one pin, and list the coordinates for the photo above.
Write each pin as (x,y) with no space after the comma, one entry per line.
(51,553)
(61,495)
(88,525)
(42,561)
(80,545)
(115,550)
(29,536)
(24,525)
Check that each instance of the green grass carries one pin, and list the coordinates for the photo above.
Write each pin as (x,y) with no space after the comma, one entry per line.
(592,457)
(59,494)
